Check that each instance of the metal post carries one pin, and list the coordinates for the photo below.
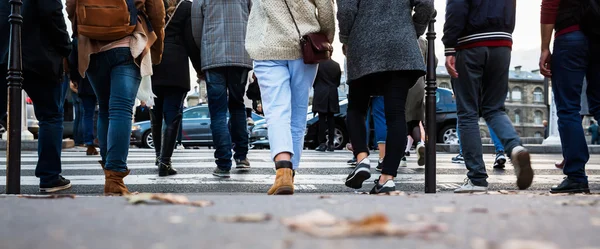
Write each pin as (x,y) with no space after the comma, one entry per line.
(430,113)
(13,145)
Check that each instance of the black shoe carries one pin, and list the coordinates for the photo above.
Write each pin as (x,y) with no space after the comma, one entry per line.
(379,165)
(407,153)
(242,164)
(165,169)
(330,148)
(57,185)
(389,186)
(361,173)
(352,161)
(168,141)
(500,160)
(321,148)
(157,161)
(458,159)
(569,186)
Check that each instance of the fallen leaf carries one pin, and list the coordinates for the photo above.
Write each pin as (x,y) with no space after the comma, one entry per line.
(446,210)
(479,210)
(324,196)
(46,196)
(595,221)
(507,192)
(314,218)
(394,193)
(244,218)
(165,198)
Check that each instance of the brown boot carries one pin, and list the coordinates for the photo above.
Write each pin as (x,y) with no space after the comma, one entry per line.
(113,184)
(284,179)
(91,150)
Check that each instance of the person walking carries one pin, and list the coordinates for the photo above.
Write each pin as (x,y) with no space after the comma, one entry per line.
(78,112)
(219,28)
(575,56)
(382,60)
(45,45)
(88,101)
(593,130)
(478,53)
(115,58)
(273,41)
(326,102)
(142,112)
(171,81)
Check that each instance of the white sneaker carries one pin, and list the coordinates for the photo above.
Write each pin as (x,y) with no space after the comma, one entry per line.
(421,154)
(403,162)
(468,187)
(521,160)
(180,147)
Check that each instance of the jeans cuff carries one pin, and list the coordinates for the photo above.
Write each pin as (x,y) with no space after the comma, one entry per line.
(479,183)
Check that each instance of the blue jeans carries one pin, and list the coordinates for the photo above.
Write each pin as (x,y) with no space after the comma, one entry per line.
(378,111)
(89,108)
(77,122)
(115,79)
(573,58)
(284,87)
(483,74)
(497,144)
(225,87)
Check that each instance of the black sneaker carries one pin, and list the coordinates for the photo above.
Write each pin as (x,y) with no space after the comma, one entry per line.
(221,173)
(379,165)
(361,173)
(389,186)
(321,148)
(569,186)
(458,159)
(242,164)
(407,153)
(500,160)
(352,161)
(57,185)
(330,148)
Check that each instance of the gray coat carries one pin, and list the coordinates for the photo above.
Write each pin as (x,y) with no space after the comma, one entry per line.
(382,35)
(219,29)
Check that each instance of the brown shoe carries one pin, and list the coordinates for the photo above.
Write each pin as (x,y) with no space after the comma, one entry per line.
(113,184)
(284,179)
(91,151)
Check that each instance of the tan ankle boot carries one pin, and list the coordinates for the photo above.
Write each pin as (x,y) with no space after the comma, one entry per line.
(284,179)
(91,150)
(113,184)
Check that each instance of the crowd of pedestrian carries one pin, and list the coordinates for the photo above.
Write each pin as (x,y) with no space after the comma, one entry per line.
(283,49)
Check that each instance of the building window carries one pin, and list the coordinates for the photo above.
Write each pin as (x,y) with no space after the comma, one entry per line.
(517,118)
(516,94)
(537,117)
(445,85)
(538,95)
(537,134)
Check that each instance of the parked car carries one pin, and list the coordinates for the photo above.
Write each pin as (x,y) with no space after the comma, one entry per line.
(196,129)
(445,120)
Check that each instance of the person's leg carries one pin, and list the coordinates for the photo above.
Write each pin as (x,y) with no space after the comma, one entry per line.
(78,111)
(378,111)
(216,88)
(495,140)
(156,121)
(274,81)
(358,104)
(302,77)
(172,111)
(89,105)
(396,90)
(237,77)
(98,74)
(322,128)
(470,65)
(331,130)
(569,65)
(593,83)
(48,100)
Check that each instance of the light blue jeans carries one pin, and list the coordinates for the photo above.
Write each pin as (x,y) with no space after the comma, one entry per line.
(285,87)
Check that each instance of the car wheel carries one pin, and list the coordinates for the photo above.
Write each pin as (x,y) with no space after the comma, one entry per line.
(340,139)
(147,140)
(448,135)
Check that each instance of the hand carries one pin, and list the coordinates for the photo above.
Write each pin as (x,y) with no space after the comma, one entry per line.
(344,48)
(546,62)
(73,87)
(451,66)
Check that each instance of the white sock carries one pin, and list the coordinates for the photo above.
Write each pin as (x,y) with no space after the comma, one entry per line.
(409,142)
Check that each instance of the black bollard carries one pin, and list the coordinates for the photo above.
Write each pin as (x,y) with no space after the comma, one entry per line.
(13,145)
(430,112)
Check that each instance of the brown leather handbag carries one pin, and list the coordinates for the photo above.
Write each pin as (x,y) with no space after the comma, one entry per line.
(315,46)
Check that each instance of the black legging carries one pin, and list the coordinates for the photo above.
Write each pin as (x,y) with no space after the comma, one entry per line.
(326,123)
(395,86)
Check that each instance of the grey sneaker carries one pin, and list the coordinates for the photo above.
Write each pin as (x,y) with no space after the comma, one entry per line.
(361,173)
(469,187)
(522,162)
(421,154)
(388,186)
(242,164)
(221,173)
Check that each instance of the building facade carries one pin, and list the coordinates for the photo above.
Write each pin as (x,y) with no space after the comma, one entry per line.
(525,101)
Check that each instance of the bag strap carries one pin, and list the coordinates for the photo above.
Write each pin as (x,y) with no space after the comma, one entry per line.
(293,19)
(172,15)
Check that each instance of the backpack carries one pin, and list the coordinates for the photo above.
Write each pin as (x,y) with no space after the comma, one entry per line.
(106,20)
(590,20)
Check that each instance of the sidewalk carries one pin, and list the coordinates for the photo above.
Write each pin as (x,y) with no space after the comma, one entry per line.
(496,220)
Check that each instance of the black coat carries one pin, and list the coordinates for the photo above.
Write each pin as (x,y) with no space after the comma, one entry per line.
(326,85)
(174,69)
(44,39)
(83,84)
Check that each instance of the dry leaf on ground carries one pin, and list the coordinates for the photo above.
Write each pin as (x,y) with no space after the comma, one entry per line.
(46,196)
(244,218)
(508,192)
(166,198)
(318,223)
(324,196)
(446,210)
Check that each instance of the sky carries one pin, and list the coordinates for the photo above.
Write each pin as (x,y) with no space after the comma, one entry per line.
(526,37)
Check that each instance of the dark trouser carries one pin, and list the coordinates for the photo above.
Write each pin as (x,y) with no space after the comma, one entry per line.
(168,106)
(78,121)
(48,97)
(482,85)
(89,108)
(225,88)
(248,112)
(326,123)
(396,85)
(575,57)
